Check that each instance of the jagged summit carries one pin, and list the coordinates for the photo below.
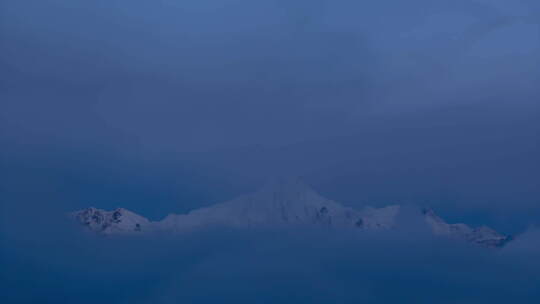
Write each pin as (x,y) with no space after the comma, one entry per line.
(483,235)
(281,202)
(119,220)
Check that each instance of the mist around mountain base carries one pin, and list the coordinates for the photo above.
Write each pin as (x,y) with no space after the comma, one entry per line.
(47,259)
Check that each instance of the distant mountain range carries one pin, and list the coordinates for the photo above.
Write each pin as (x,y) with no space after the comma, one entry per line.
(282,203)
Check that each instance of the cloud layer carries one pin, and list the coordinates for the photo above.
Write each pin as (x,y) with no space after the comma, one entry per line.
(58,263)
(169,105)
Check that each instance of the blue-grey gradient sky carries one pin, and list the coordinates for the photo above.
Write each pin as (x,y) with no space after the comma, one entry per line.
(190,102)
(167,105)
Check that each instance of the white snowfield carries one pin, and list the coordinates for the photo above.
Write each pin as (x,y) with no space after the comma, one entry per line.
(282,203)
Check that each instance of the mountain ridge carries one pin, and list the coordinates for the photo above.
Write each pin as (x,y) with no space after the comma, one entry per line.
(281,203)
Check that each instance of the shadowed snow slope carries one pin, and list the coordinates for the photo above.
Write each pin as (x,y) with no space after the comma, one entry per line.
(282,203)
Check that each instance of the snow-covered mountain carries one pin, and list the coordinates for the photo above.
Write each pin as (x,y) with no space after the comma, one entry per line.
(483,235)
(286,202)
(112,222)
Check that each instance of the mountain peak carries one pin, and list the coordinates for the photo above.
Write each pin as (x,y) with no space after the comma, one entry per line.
(281,202)
(119,220)
(287,188)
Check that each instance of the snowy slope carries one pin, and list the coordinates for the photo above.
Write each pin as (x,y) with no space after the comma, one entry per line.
(283,203)
(483,235)
(112,222)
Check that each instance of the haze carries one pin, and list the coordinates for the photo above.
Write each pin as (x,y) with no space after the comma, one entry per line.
(166,105)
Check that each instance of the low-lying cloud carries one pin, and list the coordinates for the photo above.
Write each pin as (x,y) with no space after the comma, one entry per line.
(54,261)
(167,106)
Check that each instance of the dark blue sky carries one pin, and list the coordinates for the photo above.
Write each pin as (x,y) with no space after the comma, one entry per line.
(193,102)
(167,105)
